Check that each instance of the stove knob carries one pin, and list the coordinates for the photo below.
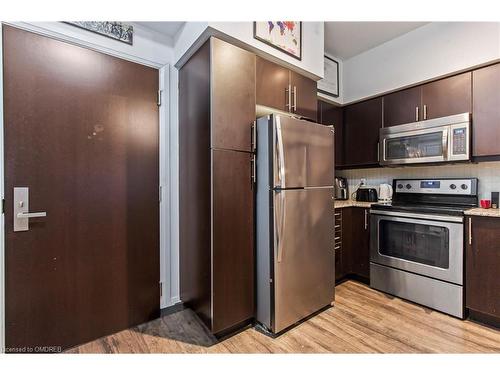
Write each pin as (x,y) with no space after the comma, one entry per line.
(464,187)
(408,186)
(453,186)
(400,186)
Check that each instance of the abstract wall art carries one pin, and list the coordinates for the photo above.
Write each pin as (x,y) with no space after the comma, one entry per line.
(283,35)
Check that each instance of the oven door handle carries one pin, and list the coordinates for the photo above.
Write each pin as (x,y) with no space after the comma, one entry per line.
(454,219)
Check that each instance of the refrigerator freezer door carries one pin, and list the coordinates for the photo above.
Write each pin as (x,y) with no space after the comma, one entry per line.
(303,153)
(303,254)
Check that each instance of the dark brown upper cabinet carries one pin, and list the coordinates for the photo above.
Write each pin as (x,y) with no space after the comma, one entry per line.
(362,122)
(482,265)
(403,107)
(280,88)
(272,84)
(304,95)
(486,111)
(448,96)
(445,97)
(329,114)
(233,96)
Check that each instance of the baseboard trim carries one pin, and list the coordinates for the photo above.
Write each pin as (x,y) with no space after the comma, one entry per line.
(484,319)
(172,309)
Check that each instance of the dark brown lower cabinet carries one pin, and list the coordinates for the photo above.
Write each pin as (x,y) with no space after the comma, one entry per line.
(482,267)
(233,230)
(355,244)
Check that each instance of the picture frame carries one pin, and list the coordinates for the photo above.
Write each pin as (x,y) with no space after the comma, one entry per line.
(120,31)
(285,36)
(330,84)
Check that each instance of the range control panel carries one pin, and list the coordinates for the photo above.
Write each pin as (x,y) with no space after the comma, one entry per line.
(459,186)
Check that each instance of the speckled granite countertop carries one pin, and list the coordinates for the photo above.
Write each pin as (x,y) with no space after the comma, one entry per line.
(352,203)
(491,212)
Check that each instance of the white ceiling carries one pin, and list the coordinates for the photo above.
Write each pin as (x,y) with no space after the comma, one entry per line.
(348,39)
(168,28)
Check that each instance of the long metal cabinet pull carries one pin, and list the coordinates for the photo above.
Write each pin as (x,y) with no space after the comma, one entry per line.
(416,113)
(470,231)
(366,219)
(253,137)
(425,112)
(288,104)
(294,99)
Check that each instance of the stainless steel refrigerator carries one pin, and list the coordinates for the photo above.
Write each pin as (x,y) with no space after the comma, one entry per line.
(295,220)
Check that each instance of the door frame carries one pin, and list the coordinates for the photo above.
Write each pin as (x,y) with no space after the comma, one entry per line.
(165,178)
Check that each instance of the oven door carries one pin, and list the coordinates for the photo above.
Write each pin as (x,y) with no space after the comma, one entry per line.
(417,146)
(429,245)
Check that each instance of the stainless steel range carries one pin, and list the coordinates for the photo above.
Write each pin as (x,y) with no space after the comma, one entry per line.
(417,242)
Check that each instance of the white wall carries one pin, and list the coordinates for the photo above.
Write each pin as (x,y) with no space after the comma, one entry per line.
(431,51)
(488,174)
(241,33)
(174,187)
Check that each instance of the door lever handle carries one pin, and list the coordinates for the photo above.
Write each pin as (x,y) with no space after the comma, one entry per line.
(21,210)
(27,215)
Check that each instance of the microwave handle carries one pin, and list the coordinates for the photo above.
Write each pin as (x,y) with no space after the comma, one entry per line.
(445,143)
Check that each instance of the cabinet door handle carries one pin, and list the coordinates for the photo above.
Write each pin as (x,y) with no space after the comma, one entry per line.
(416,113)
(378,151)
(294,99)
(366,219)
(425,112)
(470,231)
(288,92)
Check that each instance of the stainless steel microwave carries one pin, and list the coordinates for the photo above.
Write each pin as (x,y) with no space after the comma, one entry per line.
(444,139)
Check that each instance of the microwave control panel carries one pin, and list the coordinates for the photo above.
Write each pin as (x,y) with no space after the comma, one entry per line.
(459,141)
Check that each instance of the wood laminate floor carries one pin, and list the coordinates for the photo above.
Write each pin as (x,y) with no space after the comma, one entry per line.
(362,321)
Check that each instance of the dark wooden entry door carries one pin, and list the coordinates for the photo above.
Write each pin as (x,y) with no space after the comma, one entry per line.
(81,132)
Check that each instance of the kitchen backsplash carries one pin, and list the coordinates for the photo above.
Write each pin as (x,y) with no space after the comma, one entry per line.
(488,174)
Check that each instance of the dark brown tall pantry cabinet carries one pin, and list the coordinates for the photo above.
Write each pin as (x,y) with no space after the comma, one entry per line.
(216,113)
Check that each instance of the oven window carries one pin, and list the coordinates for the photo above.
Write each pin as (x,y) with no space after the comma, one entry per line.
(425,244)
(415,146)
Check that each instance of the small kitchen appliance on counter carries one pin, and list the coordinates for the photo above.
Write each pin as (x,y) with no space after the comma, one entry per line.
(385,193)
(341,190)
(366,194)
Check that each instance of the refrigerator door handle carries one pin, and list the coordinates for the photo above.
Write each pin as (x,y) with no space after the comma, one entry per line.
(280,154)
(281,225)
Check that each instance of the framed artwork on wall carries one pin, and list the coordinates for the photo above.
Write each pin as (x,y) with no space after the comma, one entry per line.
(285,36)
(115,30)
(329,85)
